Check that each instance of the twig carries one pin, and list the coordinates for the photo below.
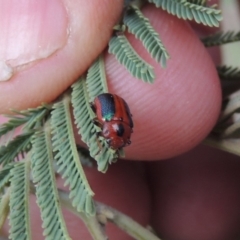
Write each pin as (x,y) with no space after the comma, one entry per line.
(105,213)
(124,222)
(94,227)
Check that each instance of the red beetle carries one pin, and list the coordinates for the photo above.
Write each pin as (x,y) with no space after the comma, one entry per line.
(114,118)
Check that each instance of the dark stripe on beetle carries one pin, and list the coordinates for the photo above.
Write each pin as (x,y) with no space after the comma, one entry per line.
(120,130)
(107,106)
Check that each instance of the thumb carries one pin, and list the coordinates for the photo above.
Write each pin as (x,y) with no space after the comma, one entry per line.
(45,45)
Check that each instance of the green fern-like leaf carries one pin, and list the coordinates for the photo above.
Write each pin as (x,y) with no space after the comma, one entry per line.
(189,11)
(232,131)
(67,157)
(12,124)
(7,130)
(96,79)
(30,119)
(36,116)
(140,26)
(229,107)
(4,176)
(46,190)
(83,113)
(4,207)
(126,55)
(18,145)
(228,72)
(19,202)
(198,2)
(84,116)
(221,38)
(106,156)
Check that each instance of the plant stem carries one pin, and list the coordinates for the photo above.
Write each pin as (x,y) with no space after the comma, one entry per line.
(124,222)
(105,213)
(91,222)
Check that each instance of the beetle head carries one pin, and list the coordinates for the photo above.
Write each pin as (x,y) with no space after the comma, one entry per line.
(117,134)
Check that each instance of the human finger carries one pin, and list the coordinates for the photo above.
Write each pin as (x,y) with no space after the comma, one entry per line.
(196,195)
(46,45)
(179,109)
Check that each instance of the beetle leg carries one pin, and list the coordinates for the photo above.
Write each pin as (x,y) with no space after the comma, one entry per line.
(99,145)
(129,142)
(96,122)
(93,107)
(99,134)
(109,141)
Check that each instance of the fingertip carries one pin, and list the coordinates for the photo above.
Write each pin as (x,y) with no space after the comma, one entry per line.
(179,109)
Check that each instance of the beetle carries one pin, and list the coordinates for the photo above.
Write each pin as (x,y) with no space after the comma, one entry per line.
(114,118)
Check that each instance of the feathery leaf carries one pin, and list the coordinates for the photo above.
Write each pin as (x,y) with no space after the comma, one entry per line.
(96,79)
(140,26)
(19,201)
(83,113)
(228,72)
(233,131)
(187,10)
(18,145)
(36,116)
(84,116)
(46,190)
(228,145)
(5,176)
(221,38)
(4,207)
(198,2)
(13,123)
(30,119)
(7,130)
(67,157)
(230,106)
(126,55)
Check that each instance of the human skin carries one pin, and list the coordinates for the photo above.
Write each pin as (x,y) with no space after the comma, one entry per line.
(171,116)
